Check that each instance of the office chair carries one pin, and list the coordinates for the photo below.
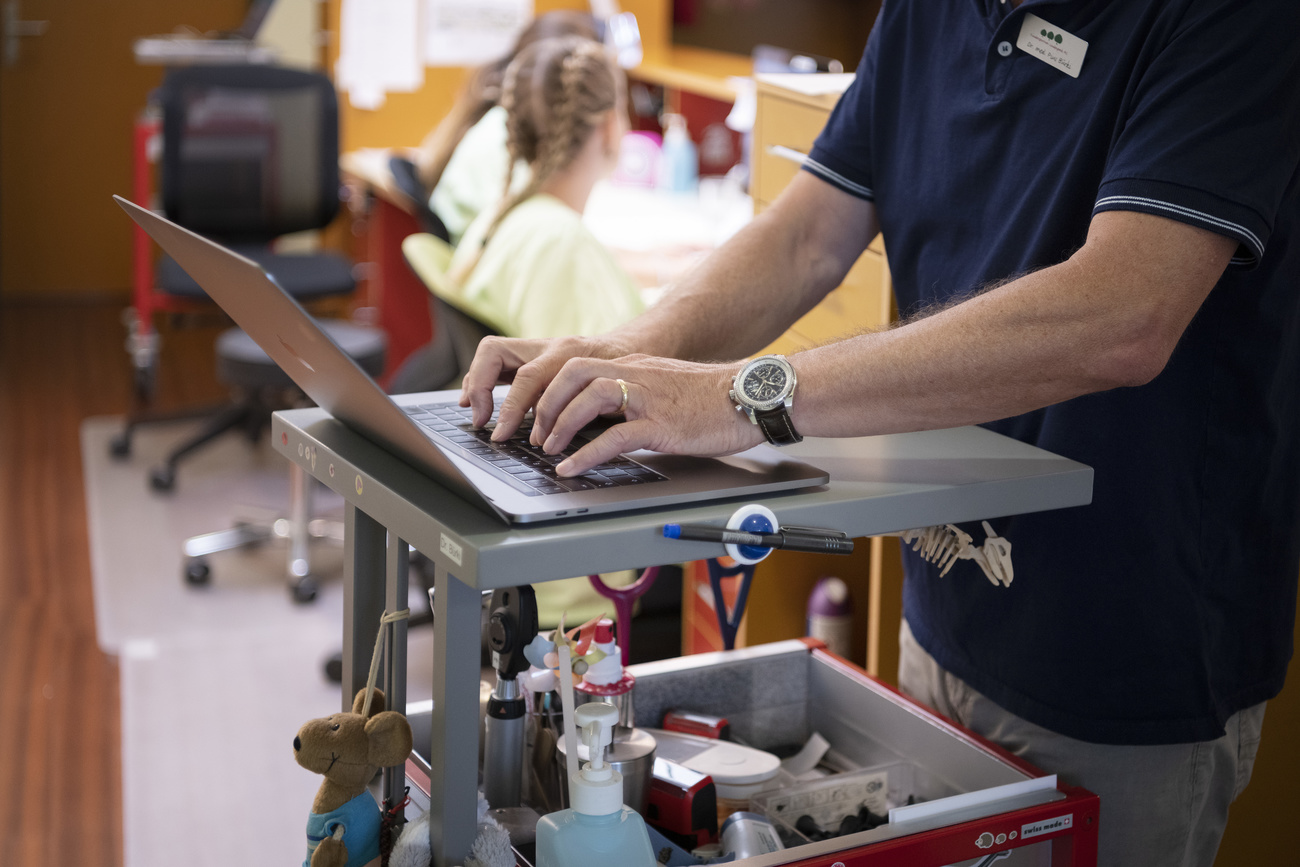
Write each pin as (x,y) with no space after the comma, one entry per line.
(423,369)
(243,365)
(250,153)
(407,181)
(456,325)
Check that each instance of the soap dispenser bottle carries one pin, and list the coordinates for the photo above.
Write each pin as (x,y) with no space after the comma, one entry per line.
(679,160)
(597,830)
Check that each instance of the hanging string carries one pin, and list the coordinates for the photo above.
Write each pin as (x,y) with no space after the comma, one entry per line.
(387,619)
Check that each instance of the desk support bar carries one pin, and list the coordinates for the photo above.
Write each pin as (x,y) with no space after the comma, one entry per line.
(453,753)
(397,577)
(363,596)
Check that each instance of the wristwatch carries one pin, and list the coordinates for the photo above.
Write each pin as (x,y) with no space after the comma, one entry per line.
(764,391)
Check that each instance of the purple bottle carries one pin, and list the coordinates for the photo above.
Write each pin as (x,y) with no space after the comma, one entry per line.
(830,615)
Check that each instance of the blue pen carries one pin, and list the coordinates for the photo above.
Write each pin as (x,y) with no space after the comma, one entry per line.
(787,538)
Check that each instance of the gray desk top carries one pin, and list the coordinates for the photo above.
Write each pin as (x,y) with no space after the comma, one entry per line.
(878,485)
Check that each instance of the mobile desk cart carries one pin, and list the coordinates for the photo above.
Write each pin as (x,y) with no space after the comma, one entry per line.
(879,485)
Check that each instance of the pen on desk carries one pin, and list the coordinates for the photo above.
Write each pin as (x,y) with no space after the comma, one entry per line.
(789,539)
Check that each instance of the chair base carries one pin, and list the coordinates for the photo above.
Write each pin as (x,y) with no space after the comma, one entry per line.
(298,528)
(143,346)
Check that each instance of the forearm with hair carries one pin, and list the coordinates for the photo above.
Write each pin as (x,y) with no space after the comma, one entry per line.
(1108,317)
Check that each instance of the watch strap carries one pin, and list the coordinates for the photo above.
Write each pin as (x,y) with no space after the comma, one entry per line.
(777,427)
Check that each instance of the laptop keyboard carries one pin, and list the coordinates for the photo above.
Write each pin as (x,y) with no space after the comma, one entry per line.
(518,463)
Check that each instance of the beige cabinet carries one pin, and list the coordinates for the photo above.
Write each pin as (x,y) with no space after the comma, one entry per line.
(791,120)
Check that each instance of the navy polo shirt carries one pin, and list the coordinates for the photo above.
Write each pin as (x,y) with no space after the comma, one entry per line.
(1156,612)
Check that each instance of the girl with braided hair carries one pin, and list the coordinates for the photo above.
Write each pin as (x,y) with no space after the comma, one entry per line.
(463,159)
(530,267)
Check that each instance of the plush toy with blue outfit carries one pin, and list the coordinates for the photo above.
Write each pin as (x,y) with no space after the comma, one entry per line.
(348,749)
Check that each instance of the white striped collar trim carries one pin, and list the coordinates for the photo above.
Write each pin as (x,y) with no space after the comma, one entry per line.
(1250,236)
(837,178)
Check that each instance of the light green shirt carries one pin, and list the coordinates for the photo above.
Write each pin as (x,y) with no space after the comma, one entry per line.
(544,274)
(475,175)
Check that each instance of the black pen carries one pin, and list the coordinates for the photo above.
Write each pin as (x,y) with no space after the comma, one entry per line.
(790,539)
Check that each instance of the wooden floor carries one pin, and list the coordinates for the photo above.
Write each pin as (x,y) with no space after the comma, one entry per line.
(60,736)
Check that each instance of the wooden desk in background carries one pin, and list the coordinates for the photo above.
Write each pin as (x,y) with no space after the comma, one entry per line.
(391,287)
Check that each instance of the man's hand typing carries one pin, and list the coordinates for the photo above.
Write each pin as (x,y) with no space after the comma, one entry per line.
(674,407)
(529,365)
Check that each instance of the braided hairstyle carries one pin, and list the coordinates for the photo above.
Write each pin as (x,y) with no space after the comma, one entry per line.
(483,90)
(556,93)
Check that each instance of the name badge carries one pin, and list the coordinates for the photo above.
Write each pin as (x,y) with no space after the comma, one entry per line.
(1052,45)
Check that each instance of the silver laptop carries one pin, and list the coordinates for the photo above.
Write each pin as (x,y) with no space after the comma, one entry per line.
(430,431)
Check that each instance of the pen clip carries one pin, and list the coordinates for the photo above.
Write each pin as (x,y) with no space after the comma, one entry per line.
(813,532)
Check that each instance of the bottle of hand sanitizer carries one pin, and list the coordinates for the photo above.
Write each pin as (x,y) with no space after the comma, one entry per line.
(679,160)
(597,830)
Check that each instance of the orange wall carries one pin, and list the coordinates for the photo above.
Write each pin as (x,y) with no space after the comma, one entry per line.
(66,113)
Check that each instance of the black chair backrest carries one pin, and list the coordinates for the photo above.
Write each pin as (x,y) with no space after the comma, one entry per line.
(249,152)
(407,181)
(464,331)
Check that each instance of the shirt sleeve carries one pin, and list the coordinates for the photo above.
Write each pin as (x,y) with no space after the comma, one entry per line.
(475,175)
(841,156)
(1212,134)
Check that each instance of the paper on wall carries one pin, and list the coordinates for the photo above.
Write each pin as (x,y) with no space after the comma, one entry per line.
(379,50)
(472,32)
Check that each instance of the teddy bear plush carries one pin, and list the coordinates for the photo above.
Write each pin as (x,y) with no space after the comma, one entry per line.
(491,846)
(348,750)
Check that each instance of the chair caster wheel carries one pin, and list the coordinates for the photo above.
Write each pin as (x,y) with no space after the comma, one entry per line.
(162,479)
(303,590)
(120,447)
(197,572)
(334,668)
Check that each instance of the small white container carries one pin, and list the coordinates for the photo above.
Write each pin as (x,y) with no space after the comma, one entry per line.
(738,772)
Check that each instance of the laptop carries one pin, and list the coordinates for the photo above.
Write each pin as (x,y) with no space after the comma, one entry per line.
(512,480)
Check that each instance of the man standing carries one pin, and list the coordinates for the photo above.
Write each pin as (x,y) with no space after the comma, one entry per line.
(1091,211)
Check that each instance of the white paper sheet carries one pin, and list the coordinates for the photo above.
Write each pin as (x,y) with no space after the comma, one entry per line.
(472,32)
(379,50)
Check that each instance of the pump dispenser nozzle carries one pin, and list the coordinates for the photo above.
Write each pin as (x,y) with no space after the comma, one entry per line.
(597,828)
(597,789)
(595,748)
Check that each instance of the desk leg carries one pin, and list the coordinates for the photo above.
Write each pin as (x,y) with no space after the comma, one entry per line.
(363,596)
(395,599)
(453,754)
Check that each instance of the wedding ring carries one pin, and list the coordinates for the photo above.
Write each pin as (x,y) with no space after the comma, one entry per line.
(622,407)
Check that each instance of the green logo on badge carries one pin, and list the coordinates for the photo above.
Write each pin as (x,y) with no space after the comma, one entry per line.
(1056,37)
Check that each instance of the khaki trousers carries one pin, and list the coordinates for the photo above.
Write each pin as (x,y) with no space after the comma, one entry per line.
(1161,806)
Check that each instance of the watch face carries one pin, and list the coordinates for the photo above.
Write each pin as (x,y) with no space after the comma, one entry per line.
(766,383)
